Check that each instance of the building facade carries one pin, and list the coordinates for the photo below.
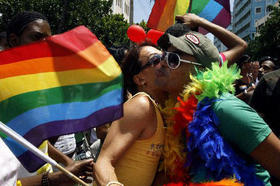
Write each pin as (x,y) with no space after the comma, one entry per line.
(122,7)
(246,15)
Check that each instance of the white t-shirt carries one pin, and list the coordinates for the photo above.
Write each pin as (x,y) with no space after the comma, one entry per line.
(9,166)
(66,144)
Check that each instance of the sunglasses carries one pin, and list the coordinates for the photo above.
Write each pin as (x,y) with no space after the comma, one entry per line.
(153,61)
(173,60)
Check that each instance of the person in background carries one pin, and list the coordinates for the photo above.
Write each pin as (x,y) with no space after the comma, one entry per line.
(266,101)
(267,64)
(245,86)
(25,28)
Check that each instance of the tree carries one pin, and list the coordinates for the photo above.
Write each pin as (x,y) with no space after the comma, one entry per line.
(64,15)
(268,40)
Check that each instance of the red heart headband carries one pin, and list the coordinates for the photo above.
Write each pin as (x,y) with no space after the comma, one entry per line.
(138,35)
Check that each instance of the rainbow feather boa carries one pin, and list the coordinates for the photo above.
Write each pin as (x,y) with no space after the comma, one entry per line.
(192,137)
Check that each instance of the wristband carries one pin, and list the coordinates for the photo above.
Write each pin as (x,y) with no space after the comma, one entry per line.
(114,182)
(45,179)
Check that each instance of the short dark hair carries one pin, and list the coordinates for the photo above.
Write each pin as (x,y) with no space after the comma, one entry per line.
(131,66)
(118,53)
(21,20)
(267,58)
(176,30)
(242,60)
(274,60)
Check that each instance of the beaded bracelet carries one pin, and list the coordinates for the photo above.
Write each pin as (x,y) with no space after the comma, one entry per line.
(45,179)
(114,182)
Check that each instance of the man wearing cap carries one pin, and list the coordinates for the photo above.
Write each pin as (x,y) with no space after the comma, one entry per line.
(246,138)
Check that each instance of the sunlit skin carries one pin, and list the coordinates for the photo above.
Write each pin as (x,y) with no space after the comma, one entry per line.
(152,79)
(179,77)
(35,31)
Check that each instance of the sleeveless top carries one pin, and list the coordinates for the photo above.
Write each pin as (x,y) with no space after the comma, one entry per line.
(138,165)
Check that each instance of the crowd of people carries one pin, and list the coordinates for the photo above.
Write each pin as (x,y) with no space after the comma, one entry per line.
(133,149)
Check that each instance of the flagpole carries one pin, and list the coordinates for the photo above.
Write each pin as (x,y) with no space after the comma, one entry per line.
(11,133)
(190,7)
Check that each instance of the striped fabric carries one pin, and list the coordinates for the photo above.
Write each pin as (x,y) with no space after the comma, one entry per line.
(164,12)
(64,84)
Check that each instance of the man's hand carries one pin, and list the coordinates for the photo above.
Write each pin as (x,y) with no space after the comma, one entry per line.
(191,20)
(236,46)
(82,169)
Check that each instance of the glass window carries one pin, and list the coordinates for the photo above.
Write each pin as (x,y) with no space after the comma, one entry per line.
(258,10)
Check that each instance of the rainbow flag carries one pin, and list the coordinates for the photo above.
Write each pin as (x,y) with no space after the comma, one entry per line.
(64,84)
(164,12)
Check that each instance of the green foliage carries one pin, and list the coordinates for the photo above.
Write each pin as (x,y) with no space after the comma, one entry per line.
(64,15)
(143,24)
(268,40)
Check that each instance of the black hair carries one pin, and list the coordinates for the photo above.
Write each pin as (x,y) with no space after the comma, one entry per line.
(177,30)
(274,60)
(243,59)
(3,35)
(267,58)
(21,20)
(131,66)
(118,53)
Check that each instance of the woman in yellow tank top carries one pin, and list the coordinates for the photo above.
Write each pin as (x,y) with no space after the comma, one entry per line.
(134,143)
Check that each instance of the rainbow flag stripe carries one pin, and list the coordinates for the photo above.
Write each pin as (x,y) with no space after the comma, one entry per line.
(65,84)
(164,12)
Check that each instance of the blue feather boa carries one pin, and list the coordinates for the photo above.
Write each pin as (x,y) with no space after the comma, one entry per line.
(207,148)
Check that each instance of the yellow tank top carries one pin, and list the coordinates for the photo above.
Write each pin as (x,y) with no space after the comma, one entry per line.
(139,164)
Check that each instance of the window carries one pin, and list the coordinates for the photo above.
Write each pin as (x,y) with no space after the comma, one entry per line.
(258,10)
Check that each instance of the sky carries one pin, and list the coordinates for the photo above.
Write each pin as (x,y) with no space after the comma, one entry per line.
(142,9)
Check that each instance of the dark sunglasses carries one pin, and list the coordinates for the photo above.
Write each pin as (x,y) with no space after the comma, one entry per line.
(173,60)
(153,61)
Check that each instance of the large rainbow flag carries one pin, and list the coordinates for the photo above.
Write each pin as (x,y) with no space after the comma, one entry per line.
(164,12)
(64,84)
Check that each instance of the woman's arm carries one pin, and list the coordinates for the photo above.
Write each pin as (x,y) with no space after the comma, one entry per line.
(139,113)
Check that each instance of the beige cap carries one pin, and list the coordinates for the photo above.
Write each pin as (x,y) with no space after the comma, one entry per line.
(192,43)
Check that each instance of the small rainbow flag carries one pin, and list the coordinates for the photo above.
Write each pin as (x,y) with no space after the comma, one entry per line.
(64,84)
(164,12)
